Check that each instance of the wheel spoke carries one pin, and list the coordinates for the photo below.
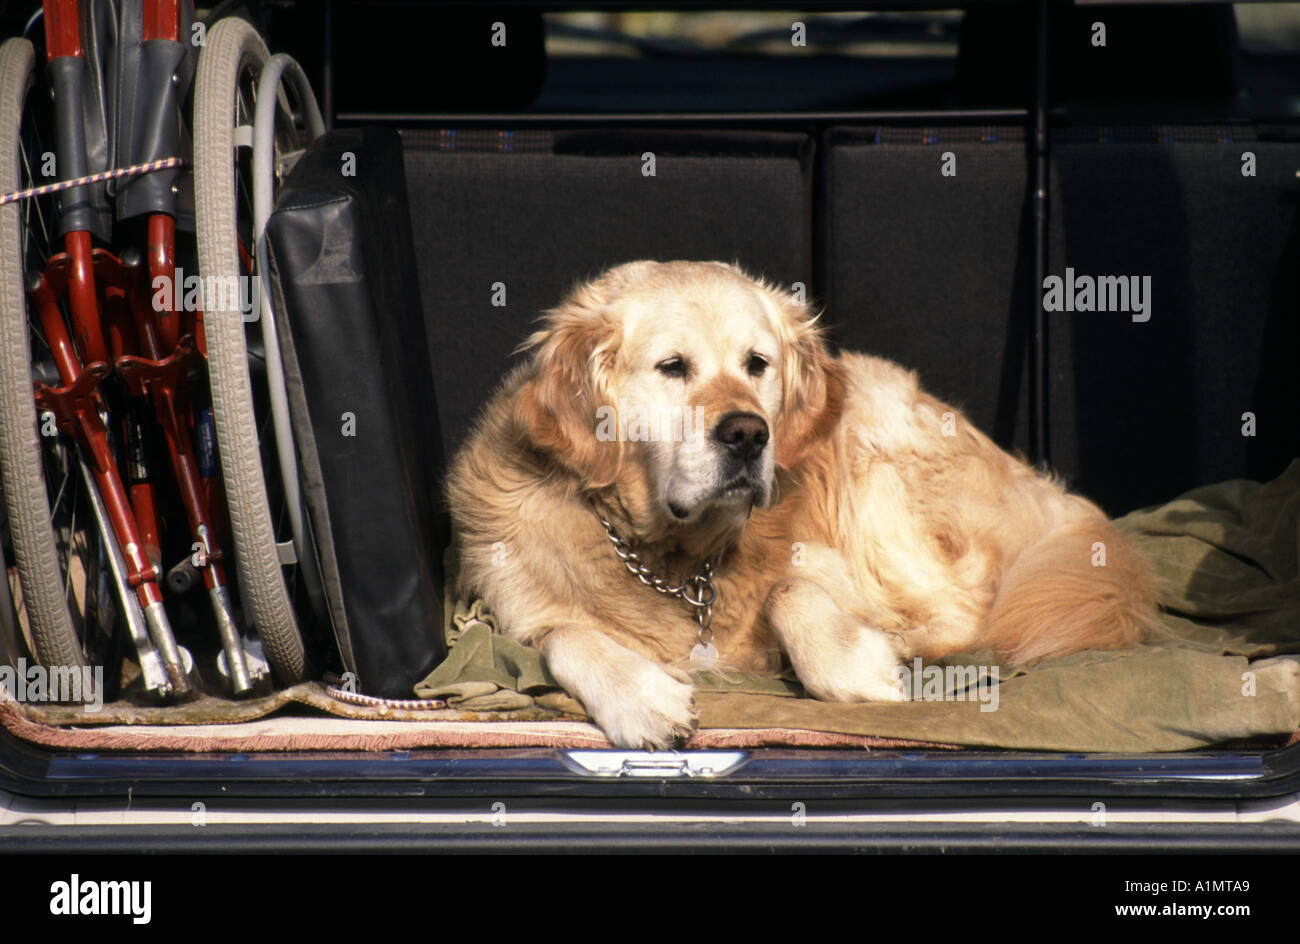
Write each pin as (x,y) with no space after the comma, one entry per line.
(72,543)
(34,204)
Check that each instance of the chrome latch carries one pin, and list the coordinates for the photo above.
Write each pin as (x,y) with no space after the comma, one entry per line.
(664,764)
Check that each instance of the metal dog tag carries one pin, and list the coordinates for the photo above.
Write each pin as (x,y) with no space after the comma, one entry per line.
(704,655)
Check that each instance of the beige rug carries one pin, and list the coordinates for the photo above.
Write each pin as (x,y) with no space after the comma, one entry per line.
(306,718)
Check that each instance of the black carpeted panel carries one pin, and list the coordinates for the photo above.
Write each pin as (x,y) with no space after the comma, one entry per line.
(931,270)
(554,210)
(1142,411)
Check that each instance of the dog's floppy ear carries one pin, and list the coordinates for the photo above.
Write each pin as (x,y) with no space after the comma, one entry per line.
(558,403)
(812,383)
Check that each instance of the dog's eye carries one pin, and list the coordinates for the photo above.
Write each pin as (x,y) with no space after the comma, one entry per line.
(756,365)
(672,367)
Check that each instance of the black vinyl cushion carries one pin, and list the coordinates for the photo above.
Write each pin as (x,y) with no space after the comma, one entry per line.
(353,335)
(931,270)
(541,211)
(1143,411)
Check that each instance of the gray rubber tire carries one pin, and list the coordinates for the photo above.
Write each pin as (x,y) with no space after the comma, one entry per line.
(39,571)
(233,46)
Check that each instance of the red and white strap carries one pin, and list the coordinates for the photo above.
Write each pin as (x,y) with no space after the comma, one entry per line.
(132,171)
(388,704)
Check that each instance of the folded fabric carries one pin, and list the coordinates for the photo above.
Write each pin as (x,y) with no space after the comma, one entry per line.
(1227,558)
(1150,699)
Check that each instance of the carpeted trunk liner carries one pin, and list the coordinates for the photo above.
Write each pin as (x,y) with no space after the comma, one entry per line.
(1225,672)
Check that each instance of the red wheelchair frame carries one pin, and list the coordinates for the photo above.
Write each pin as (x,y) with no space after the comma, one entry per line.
(117,325)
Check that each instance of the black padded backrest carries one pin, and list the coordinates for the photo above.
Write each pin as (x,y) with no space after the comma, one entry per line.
(363,403)
(930,270)
(1141,411)
(535,212)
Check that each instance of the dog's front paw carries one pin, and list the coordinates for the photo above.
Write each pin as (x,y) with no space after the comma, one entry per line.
(862,667)
(635,702)
(652,712)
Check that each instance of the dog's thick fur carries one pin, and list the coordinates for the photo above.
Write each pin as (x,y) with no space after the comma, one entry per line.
(876,525)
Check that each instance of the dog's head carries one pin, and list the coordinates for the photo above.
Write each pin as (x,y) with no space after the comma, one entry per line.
(688,381)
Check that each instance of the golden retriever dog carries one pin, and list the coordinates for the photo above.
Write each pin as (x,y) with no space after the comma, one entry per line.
(853,522)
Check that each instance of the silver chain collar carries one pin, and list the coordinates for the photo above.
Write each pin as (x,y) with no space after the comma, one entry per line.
(699,591)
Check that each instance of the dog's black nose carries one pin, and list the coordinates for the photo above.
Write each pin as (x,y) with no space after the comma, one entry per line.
(744,434)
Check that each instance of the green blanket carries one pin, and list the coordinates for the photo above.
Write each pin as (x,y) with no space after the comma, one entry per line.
(1225,666)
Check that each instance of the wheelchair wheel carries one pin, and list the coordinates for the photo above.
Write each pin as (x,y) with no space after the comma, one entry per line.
(225,108)
(64,593)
